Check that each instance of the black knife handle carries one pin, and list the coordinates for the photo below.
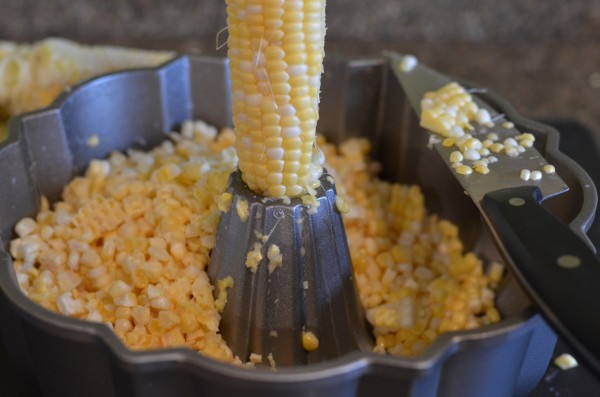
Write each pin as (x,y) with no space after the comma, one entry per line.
(556,267)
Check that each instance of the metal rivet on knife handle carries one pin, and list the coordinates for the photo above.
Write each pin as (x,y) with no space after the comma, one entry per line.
(568,261)
(516,202)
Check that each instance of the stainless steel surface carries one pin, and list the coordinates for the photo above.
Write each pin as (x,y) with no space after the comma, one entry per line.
(503,174)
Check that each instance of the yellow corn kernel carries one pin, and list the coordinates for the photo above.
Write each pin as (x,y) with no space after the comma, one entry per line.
(526,143)
(311,202)
(448,142)
(141,315)
(495,273)
(276,54)
(275,257)
(481,168)
(189,323)
(456,157)
(221,300)
(123,312)
(256,358)
(449,107)
(153,270)
(464,170)
(310,341)
(565,361)
(168,319)
(525,136)
(243,211)
(492,315)
(254,257)
(224,202)
(90,258)
(341,205)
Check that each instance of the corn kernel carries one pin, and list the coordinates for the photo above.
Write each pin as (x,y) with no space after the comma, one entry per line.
(565,361)
(25,227)
(141,315)
(242,209)
(224,202)
(310,341)
(464,170)
(549,169)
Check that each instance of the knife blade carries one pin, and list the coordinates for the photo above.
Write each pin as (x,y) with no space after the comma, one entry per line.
(556,266)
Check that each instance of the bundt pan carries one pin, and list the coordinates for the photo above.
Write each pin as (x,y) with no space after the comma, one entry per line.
(58,356)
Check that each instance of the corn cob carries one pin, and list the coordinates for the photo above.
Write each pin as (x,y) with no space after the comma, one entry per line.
(276,50)
(31,76)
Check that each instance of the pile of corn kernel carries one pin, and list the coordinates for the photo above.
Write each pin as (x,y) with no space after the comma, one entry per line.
(129,243)
(449,113)
(413,278)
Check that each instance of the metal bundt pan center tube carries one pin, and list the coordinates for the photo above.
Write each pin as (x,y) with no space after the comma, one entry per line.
(59,356)
(312,290)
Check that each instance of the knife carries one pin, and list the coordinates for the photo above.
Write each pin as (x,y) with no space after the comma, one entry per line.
(557,268)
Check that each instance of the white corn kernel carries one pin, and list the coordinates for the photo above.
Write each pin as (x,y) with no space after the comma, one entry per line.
(483,117)
(472,154)
(456,131)
(408,63)
(511,151)
(536,175)
(25,227)
(69,306)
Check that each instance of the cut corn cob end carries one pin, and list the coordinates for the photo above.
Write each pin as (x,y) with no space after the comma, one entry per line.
(276,51)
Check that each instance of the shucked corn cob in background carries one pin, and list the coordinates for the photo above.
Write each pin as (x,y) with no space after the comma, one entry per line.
(32,76)
(276,50)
